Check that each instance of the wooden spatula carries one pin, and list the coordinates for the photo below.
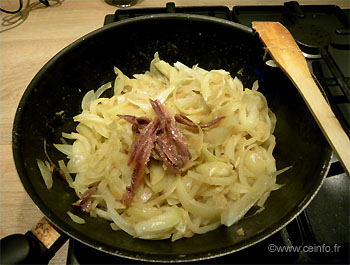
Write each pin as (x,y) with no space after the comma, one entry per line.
(286,53)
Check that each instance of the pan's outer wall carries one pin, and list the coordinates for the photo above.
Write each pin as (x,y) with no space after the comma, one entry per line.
(130,45)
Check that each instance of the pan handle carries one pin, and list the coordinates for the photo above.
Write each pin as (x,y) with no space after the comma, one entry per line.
(37,246)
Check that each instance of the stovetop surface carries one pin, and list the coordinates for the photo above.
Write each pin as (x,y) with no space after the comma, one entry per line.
(321,232)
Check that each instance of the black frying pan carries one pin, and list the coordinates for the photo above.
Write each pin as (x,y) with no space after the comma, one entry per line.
(130,45)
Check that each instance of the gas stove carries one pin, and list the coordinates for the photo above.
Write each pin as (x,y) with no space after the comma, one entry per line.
(320,234)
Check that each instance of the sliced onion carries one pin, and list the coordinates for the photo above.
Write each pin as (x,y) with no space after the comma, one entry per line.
(271,63)
(65,149)
(76,218)
(102,89)
(46,173)
(87,99)
(193,206)
(238,209)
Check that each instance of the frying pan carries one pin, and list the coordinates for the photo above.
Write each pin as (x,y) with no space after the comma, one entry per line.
(130,45)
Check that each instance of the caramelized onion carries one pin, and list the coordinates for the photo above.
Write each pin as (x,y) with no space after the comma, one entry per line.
(187,121)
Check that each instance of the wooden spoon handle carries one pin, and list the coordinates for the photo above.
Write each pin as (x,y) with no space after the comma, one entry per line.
(326,119)
(286,53)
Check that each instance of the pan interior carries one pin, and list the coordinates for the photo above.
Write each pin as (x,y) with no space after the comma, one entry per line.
(130,45)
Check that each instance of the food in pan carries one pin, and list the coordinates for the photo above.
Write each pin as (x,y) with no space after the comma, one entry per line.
(176,151)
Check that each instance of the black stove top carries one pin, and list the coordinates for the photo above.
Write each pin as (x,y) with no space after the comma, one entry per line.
(320,234)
